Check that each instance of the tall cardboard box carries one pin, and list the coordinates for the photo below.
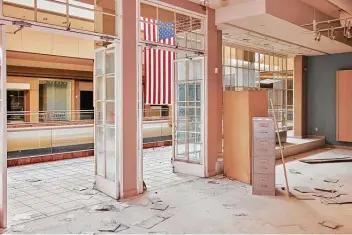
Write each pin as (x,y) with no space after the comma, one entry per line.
(239,109)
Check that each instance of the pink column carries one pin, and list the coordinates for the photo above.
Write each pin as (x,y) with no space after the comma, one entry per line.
(129,98)
(214,115)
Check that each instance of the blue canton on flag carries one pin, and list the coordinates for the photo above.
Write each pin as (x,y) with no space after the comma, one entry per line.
(166,30)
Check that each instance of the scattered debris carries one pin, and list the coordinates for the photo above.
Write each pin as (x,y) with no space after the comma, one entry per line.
(293,171)
(326,190)
(338,200)
(165,215)
(331,180)
(283,188)
(33,180)
(103,208)
(330,224)
(213,182)
(160,206)
(109,227)
(157,233)
(121,228)
(302,196)
(328,195)
(150,222)
(327,160)
(155,200)
(219,177)
(303,189)
(80,188)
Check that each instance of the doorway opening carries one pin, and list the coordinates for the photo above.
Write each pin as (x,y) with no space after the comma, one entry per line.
(86,105)
(172,88)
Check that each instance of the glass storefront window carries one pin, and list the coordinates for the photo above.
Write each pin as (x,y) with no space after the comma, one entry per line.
(55,97)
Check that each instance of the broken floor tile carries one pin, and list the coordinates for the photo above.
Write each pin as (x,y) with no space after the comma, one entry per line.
(326,190)
(150,222)
(80,188)
(103,207)
(293,171)
(155,199)
(160,206)
(302,196)
(121,228)
(331,180)
(109,227)
(165,215)
(303,189)
(330,224)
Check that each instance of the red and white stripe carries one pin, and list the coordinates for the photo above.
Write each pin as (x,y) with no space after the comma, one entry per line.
(158,66)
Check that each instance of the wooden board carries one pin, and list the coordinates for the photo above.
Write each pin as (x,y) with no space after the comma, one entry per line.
(239,109)
(343,104)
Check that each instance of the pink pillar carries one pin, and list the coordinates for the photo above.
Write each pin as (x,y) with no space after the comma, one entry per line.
(129,98)
(214,115)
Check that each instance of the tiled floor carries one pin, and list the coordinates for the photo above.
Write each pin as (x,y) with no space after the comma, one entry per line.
(45,189)
(157,169)
(218,206)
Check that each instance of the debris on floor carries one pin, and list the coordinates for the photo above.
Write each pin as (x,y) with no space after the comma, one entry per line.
(219,177)
(229,206)
(159,206)
(327,160)
(302,196)
(103,208)
(331,180)
(109,226)
(213,182)
(329,190)
(293,171)
(330,224)
(80,188)
(328,195)
(338,200)
(303,189)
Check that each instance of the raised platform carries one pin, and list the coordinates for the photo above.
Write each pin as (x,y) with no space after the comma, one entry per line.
(295,146)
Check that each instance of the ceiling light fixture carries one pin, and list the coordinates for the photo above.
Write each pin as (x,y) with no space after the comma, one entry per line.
(204,2)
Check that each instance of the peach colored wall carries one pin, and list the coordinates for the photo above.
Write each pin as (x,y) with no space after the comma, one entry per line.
(129,74)
(185,4)
(294,11)
(300,101)
(214,115)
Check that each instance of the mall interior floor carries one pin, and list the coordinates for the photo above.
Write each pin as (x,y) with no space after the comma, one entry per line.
(216,205)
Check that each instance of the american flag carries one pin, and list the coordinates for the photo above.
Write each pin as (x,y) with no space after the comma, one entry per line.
(158,63)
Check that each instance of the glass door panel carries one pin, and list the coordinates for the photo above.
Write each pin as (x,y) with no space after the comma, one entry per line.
(106,117)
(188,125)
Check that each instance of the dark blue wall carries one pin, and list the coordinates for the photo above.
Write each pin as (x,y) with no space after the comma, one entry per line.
(321,94)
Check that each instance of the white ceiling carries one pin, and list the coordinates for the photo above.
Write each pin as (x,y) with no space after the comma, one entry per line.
(244,38)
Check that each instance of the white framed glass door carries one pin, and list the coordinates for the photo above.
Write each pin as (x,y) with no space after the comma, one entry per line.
(188,116)
(107,128)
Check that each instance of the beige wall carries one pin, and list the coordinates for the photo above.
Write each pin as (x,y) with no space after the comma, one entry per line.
(48,43)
